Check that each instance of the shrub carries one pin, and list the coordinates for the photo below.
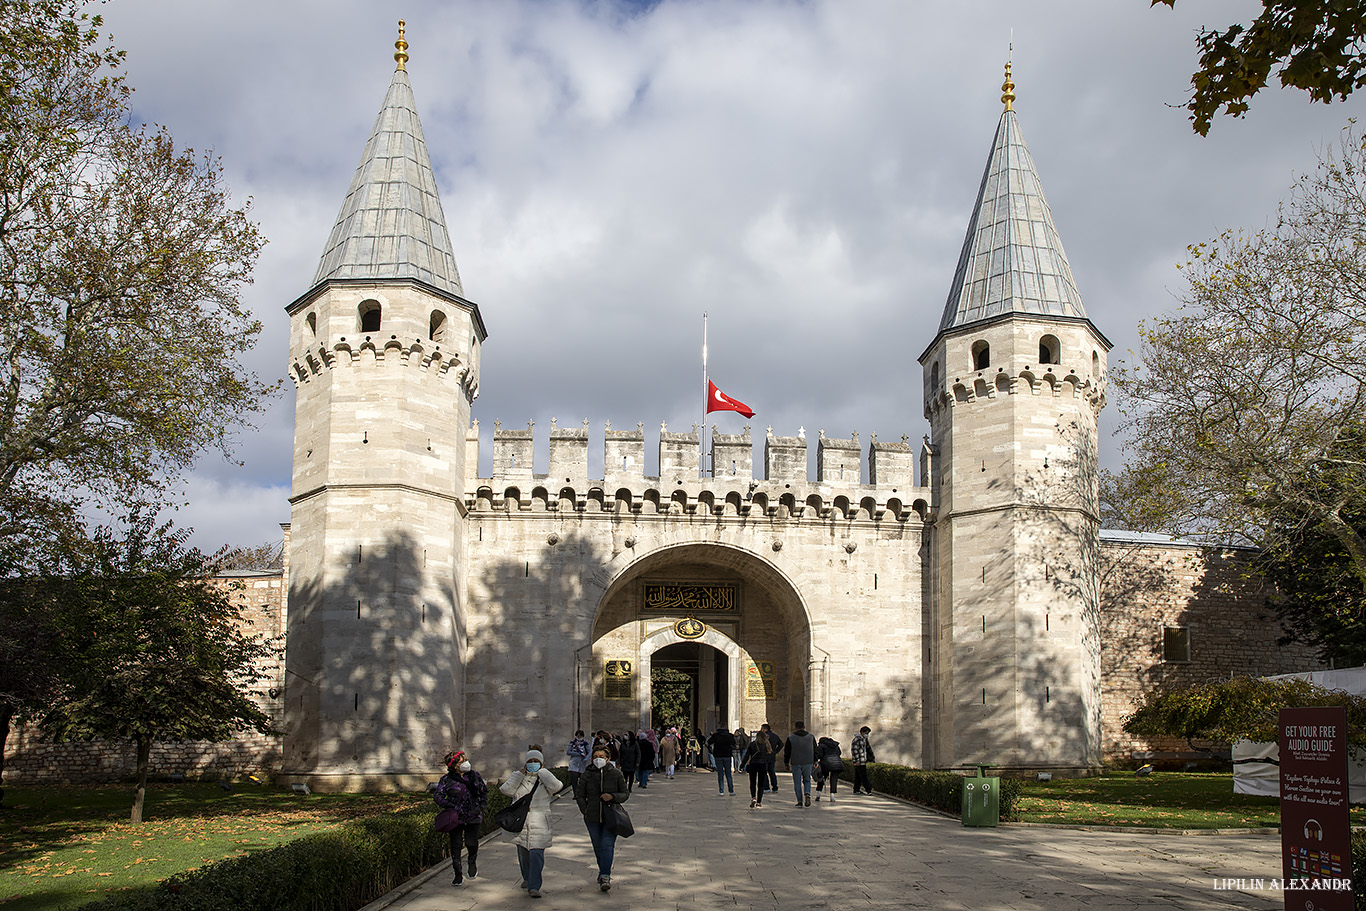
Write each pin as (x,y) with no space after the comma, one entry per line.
(339,870)
(1359,868)
(941,790)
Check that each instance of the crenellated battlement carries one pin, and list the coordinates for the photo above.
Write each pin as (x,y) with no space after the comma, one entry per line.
(781,490)
(393,352)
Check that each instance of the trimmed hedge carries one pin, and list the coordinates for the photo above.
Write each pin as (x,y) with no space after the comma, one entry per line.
(941,790)
(338,870)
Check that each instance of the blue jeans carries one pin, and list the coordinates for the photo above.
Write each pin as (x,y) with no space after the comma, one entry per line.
(604,846)
(532,864)
(801,773)
(643,776)
(723,768)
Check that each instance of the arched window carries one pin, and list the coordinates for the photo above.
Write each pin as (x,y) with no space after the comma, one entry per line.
(1050,350)
(312,321)
(934,379)
(981,355)
(369,316)
(1095,364)
(438,327)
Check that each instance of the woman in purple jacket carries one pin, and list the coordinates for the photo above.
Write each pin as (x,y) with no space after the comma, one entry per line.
(463,790)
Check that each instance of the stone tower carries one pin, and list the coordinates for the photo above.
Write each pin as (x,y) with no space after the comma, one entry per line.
(384,354)
(1014,383)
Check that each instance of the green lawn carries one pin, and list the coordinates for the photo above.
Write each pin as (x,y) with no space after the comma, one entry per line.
(61,847)
(1179,800)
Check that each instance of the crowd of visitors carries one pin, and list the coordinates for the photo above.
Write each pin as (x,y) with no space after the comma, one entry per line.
(604,772)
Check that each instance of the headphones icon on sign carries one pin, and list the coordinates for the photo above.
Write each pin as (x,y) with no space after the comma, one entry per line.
(1313,830)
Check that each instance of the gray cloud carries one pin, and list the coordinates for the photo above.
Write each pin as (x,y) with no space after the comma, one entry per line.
(801,171)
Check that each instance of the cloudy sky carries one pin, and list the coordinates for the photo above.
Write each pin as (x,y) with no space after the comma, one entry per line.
(802,171)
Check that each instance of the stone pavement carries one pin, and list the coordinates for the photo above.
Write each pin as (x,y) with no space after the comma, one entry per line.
(696,850)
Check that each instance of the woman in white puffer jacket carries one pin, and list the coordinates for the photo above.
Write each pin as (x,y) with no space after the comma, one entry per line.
(536,835)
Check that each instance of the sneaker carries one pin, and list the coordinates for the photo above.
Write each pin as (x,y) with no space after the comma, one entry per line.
(832,798)
(799,803)
(521,884)
(605,883)
(753,803)
(732,793)
(534,893)
(458,879)
(474,871)
(818,797)
(720,793)
(808,800)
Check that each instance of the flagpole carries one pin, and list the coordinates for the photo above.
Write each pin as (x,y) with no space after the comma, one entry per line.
(706,400)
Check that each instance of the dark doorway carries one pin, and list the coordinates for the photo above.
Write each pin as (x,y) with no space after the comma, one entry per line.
(689,687)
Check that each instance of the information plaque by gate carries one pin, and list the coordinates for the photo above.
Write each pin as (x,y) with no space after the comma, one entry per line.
(618,680)
(1316,835)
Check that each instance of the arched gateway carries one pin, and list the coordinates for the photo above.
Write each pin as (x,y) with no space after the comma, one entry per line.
(734,621)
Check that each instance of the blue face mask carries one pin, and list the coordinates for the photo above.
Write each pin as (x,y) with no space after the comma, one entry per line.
(533,766)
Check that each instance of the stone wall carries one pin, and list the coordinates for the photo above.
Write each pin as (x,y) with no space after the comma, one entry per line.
(1231,628)
(28,759)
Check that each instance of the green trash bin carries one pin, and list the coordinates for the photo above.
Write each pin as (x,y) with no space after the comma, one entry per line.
(981,800)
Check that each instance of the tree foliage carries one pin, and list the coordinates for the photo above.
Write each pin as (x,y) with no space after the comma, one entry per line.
(1243,708)
(153,651)
(121,265)
(1242,409)
(1315,45)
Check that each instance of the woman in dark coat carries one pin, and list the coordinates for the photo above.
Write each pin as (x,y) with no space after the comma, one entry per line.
(600,784)
(647,759)
(628,753)
(463,790)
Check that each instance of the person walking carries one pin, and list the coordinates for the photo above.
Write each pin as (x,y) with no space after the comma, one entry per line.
(829,765)
(600,785)
(536,834)
(722,745)
(646,764)
(668,752)
(628,753)
(775,745)
(463,790)
(741,745)
(693,747)
(862,751)
(758,759)
(577,751)
(799,755)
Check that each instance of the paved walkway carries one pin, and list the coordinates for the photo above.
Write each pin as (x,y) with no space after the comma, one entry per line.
(695,850)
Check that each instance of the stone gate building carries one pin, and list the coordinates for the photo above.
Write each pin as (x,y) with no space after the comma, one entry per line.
(955,601)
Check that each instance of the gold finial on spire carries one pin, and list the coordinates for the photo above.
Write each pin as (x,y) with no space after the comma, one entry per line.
(1008,91)
(401,55)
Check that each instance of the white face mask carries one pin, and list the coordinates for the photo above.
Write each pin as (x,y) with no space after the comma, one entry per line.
(465,766)
(599,762)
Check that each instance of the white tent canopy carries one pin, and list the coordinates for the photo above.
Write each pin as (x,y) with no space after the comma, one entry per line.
(1253,777)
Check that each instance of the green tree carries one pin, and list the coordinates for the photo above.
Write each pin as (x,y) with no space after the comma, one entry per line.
(121,265)
(1241,407)
(1319,597)
(1315,45)
(153,650)
(671,698)
(1243,708)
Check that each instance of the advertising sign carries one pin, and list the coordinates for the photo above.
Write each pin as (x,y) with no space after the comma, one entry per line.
(1316,837)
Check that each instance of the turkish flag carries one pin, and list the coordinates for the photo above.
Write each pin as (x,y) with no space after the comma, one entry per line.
(719,401)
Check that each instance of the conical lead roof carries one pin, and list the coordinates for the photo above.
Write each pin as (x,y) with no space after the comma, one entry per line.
(1012,259)
(391,224)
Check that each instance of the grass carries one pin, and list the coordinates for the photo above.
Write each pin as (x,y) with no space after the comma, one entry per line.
(63,847)
(1174,800)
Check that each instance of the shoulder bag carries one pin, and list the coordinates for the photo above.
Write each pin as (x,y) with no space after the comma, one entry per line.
(616,820)
(513,816)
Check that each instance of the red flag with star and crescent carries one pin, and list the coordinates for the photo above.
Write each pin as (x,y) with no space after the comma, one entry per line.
(719,401)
